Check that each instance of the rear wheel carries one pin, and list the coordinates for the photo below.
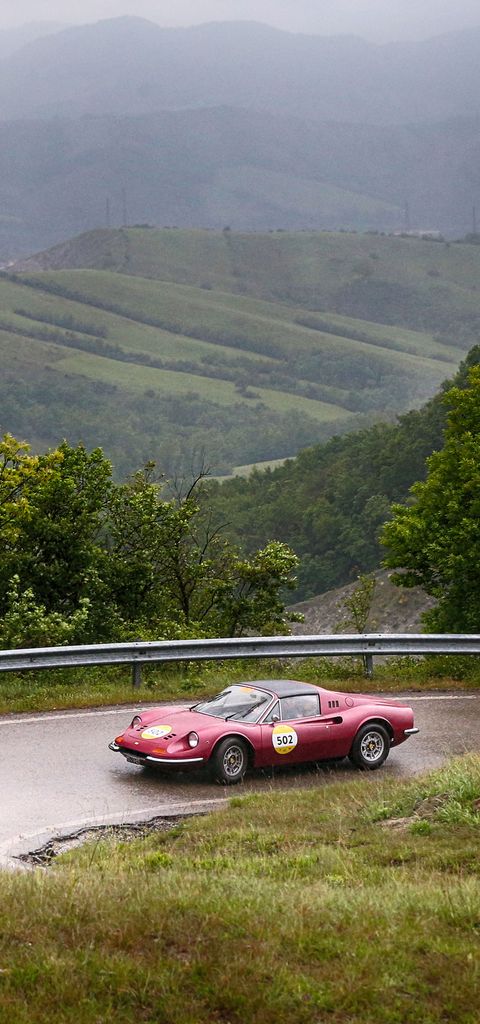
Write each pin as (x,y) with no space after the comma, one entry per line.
(370,747)
(230,761)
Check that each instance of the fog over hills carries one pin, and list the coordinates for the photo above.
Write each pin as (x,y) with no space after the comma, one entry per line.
(234,124)
(12,39)
(130,65)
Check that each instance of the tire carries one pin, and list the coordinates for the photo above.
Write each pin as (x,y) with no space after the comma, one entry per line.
(370,747)
(230,761)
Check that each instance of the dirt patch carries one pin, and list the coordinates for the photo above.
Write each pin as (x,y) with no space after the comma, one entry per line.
(424,810)
(44,856)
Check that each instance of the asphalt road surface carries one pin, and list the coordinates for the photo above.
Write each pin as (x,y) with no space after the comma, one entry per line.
(58,775)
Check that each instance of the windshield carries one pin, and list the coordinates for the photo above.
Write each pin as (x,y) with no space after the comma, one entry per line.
(243,703)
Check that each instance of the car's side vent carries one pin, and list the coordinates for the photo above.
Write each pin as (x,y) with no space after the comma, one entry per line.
(334,703)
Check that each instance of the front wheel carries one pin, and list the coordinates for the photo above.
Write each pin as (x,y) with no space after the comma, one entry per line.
(230,761)
(370,747)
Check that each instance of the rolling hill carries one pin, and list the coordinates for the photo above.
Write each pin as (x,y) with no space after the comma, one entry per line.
(240,348)
(422,285)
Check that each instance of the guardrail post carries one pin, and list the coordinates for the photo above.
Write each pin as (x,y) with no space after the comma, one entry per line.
(368,663)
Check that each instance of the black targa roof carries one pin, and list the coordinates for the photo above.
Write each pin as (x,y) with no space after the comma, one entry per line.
(282,687)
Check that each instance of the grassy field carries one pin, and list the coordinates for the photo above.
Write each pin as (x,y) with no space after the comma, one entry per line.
(137,379)
(226,323)
(356,903)
(233,345)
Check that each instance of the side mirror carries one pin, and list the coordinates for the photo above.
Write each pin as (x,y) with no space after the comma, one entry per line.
(275,719)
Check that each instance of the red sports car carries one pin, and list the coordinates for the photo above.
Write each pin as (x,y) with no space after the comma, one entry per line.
(266,723)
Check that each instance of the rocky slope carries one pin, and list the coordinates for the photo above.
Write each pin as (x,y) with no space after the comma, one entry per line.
(393,609)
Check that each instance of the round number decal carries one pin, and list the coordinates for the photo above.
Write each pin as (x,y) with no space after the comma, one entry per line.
(156,731)
(284,739)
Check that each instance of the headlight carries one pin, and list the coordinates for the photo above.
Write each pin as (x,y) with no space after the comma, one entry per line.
(136,722)
(193,739)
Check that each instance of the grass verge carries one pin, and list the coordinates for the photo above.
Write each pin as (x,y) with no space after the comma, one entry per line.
(300,907)
(50,690)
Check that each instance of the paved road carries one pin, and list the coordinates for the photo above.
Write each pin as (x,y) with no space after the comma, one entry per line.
(57,774)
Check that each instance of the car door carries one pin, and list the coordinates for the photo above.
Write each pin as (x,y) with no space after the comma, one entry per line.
(288,738)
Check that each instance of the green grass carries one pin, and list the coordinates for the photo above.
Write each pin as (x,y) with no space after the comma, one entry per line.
(288,907)
(247,469)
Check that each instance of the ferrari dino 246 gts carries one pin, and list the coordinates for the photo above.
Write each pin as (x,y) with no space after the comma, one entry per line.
(266,723)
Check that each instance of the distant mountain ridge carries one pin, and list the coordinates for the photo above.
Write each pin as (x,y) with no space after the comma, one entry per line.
(132,66)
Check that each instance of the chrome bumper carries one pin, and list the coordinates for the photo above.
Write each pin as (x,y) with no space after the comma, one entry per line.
(174,760)
(158,760)
(410,732)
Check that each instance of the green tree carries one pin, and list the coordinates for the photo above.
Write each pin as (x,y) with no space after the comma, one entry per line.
(148,579)
(60,546)
(21,474)
(170,570)
(84,558)
(436,539)
(250,598)
(26,623)
(52,515)
(358,603)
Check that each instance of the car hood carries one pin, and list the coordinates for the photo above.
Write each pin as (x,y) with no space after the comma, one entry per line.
(181,719)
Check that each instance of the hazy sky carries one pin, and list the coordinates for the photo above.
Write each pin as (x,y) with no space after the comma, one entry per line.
(373,19)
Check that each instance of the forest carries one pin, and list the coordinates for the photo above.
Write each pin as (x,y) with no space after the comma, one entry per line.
(330,502)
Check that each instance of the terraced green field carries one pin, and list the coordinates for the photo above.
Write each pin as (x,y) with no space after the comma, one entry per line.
(233,345)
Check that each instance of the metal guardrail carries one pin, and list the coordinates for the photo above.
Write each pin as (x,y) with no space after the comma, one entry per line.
(141,653)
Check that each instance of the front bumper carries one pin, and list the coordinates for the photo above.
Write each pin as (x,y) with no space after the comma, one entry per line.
(410,732)
(175,760)
(142,757)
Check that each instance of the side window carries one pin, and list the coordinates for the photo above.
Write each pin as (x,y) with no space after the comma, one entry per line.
(306,705)
(274,713)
